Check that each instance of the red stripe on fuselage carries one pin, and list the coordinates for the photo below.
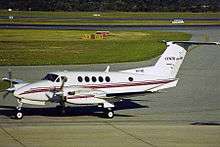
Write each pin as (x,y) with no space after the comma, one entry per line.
(128,84)
(106,85)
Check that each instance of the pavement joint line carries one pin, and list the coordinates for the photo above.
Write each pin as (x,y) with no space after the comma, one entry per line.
(131,135)
(11,136)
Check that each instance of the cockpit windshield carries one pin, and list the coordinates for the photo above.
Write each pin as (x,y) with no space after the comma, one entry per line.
(50,77)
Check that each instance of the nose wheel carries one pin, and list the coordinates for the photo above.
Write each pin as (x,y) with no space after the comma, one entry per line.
(19,114)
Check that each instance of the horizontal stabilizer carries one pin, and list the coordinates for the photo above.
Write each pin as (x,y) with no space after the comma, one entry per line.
(196,42)
(186,44)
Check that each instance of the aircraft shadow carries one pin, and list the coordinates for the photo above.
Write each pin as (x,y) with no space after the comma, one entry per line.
(9,111)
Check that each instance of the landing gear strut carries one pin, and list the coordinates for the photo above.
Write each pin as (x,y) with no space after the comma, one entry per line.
(19,114)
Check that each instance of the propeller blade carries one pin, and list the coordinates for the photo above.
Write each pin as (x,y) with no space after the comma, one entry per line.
(63,97)
(9,74)
(63,82)
(49,96)
(58,93)
(10,77)
(5,95)
(2,90)
(8,90)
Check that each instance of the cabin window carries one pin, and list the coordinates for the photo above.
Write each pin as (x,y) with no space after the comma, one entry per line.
(94,79)
(80,79)
(100,79)
(130,79)
(107,79)
(87,79)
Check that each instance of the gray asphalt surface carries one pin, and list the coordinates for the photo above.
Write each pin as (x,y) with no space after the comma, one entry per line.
(106,27)
(139,119)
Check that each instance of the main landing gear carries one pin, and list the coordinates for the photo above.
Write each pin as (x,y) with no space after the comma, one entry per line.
(109,113)
(108,109)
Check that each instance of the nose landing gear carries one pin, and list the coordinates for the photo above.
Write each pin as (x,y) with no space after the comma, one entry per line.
(19,114)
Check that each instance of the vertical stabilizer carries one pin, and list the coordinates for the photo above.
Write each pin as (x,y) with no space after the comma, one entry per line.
(170,61)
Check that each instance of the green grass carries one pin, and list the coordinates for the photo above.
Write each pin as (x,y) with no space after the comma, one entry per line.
(52,47)
(111,14)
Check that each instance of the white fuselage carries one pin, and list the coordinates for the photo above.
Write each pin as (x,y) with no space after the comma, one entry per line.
(109,83)
(112,82)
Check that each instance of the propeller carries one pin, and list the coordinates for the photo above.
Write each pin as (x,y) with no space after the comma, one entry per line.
(63,99)
(58,92)
(6,94)
(11,88)
(64,79)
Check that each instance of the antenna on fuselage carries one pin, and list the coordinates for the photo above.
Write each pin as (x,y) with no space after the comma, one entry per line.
(107,68)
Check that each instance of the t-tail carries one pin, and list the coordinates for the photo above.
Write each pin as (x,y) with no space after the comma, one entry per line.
(170,61)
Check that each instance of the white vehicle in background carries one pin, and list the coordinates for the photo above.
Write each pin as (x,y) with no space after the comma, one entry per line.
(177,21)
(100,88)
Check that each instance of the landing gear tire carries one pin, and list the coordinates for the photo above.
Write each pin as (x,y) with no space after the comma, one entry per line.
(19,115)
(109,114)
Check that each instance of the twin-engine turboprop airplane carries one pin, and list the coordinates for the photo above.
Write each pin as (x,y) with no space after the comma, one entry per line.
(99,88)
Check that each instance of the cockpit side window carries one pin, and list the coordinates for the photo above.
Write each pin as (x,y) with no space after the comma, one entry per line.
(50,77)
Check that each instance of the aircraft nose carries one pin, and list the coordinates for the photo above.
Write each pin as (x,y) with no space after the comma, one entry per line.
(18,92)
(22,90)
(34,91)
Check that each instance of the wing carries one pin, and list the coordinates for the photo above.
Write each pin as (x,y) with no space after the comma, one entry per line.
(86,96)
